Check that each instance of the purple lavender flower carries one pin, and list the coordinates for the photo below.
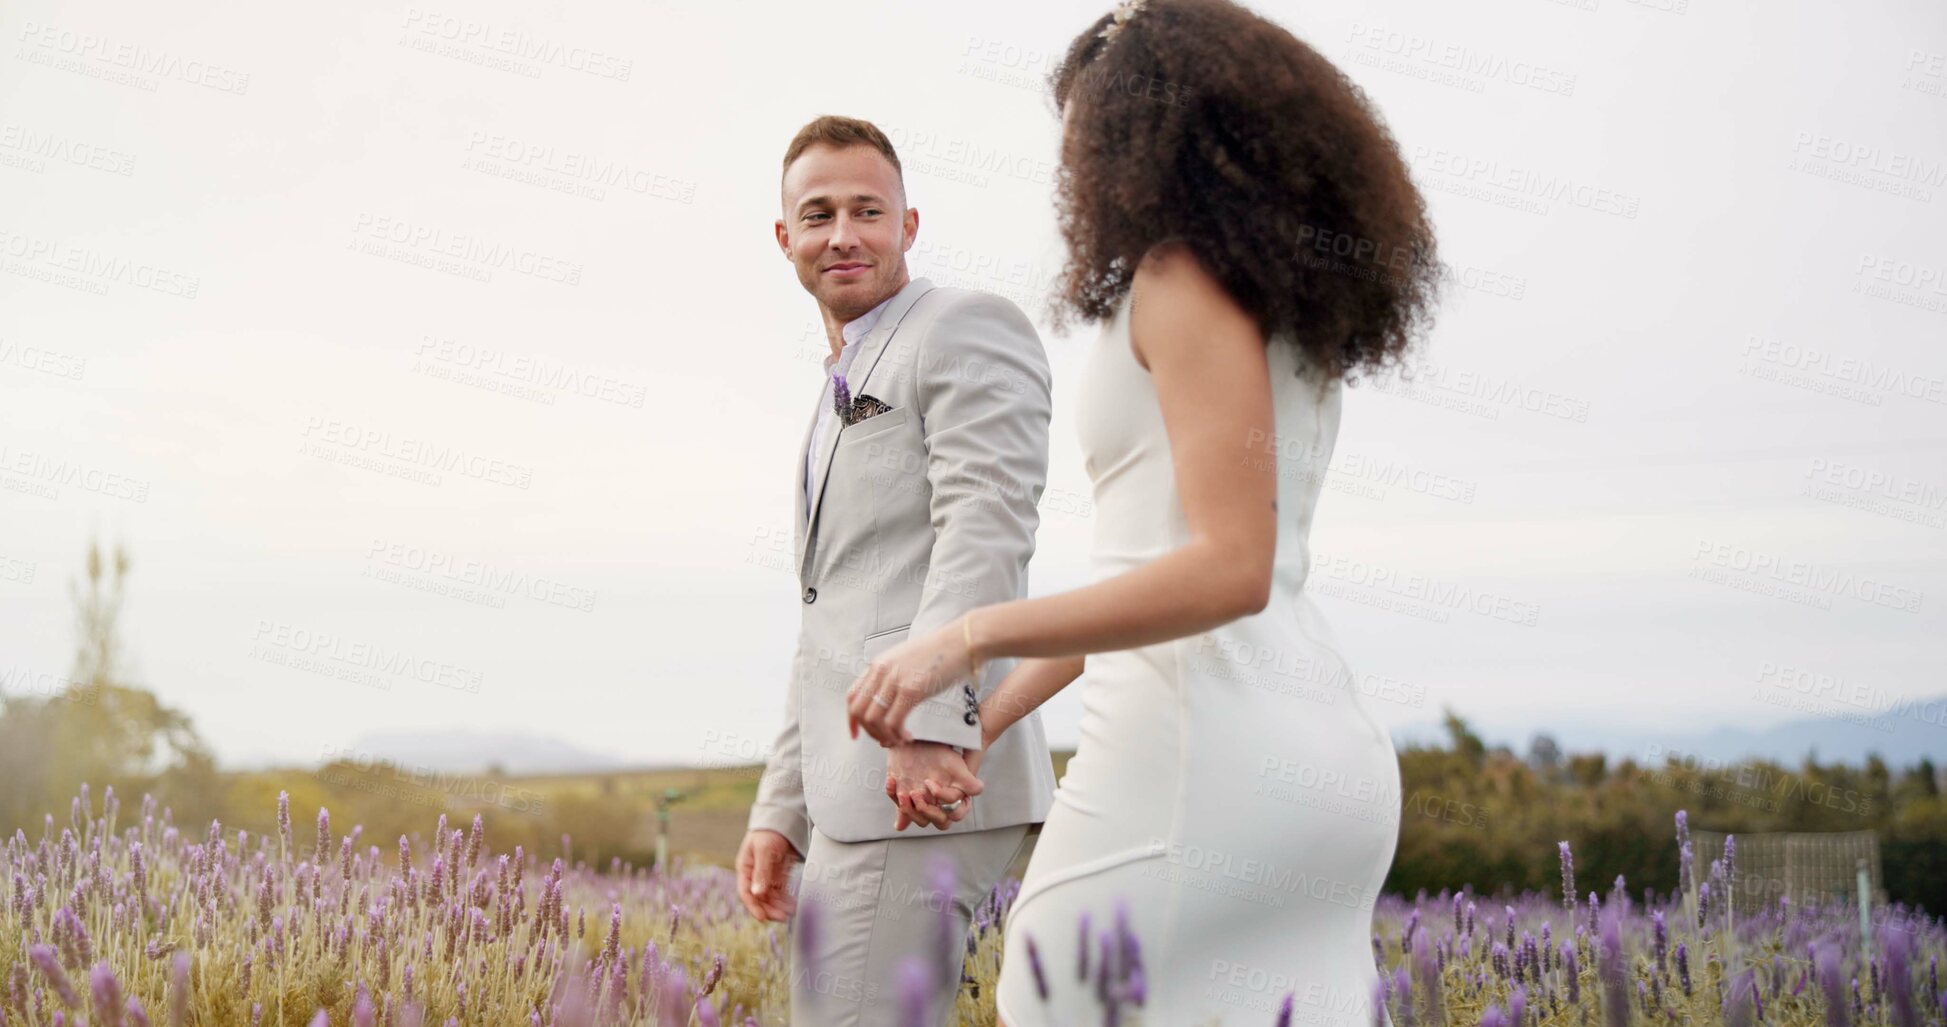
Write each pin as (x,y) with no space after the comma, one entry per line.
(944,879)
(1898,983)
(179,990)
(1730,865)
(841,397)
(1683,967)
(1568,877)
(1081,950)
(1034,964)
(284,821)
(1738,1011)
(43,958)
(915,992)
(107,992)
(1427,970)
(1615,982)
(1284,1011)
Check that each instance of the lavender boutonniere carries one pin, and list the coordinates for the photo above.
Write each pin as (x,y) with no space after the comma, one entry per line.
(842,399)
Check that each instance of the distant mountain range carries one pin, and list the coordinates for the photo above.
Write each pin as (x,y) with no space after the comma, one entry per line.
(1900,735)
(512,753)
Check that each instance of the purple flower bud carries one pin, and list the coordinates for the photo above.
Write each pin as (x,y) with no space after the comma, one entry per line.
(841,396)
(42,956)
(915,992)
(1034,964)
(108,996)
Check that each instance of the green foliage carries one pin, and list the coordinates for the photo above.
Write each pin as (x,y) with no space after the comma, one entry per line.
(1491,820)
(99,730)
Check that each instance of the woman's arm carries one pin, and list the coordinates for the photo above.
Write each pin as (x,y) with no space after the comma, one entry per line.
(1023,691)
(1213,384)
(1212,379)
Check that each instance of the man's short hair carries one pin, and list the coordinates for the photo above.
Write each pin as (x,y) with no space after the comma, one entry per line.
(838,131)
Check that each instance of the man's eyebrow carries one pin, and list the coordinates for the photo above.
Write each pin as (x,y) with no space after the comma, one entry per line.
(825,201)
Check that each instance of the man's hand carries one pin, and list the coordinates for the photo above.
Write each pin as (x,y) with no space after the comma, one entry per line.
(764,864)
(920,775)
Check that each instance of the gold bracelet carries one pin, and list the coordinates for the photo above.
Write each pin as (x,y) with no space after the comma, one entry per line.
(966,632)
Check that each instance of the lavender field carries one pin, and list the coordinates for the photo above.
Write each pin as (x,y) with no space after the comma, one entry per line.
(120,917)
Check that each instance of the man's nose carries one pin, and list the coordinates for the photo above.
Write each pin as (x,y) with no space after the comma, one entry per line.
(843,237)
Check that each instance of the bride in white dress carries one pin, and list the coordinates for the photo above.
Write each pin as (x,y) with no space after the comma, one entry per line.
(1230,814)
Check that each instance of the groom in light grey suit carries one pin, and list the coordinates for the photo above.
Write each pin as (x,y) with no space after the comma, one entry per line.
(917,485)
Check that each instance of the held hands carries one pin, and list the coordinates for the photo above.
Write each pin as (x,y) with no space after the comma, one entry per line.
(903,677)
(921,775)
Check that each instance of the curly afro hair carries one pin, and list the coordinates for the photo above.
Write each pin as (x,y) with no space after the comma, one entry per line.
(1200,121)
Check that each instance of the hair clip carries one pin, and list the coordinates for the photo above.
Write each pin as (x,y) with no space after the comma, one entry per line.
(1123,12)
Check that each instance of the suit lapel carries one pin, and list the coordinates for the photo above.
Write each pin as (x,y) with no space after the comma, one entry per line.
(870,349)
(798,509)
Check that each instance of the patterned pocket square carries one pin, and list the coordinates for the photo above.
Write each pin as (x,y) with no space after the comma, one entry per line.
(864,407)
(852,411)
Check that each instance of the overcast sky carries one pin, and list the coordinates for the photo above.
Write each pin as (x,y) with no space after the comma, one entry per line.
(1679,448)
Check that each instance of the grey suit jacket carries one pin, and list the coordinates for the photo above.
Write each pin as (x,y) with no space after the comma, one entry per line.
(917,514)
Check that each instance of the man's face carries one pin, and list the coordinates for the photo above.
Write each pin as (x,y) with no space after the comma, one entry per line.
(846,227)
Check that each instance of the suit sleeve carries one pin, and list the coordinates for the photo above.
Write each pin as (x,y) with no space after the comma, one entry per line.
(984,406)
(780,804)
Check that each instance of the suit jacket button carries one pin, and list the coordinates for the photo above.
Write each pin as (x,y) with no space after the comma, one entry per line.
(971,718)
(810,595)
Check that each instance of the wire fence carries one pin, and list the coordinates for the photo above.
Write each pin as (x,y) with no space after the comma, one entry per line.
(1808,868)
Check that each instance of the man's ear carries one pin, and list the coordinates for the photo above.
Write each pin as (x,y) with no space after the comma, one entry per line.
(783,239)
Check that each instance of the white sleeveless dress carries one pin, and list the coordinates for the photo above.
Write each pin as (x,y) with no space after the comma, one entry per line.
(1231,792)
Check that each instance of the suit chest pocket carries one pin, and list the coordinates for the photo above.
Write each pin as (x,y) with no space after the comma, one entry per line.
(851,434)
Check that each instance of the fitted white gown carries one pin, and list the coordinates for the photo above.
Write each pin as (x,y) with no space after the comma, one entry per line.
(1231,791)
